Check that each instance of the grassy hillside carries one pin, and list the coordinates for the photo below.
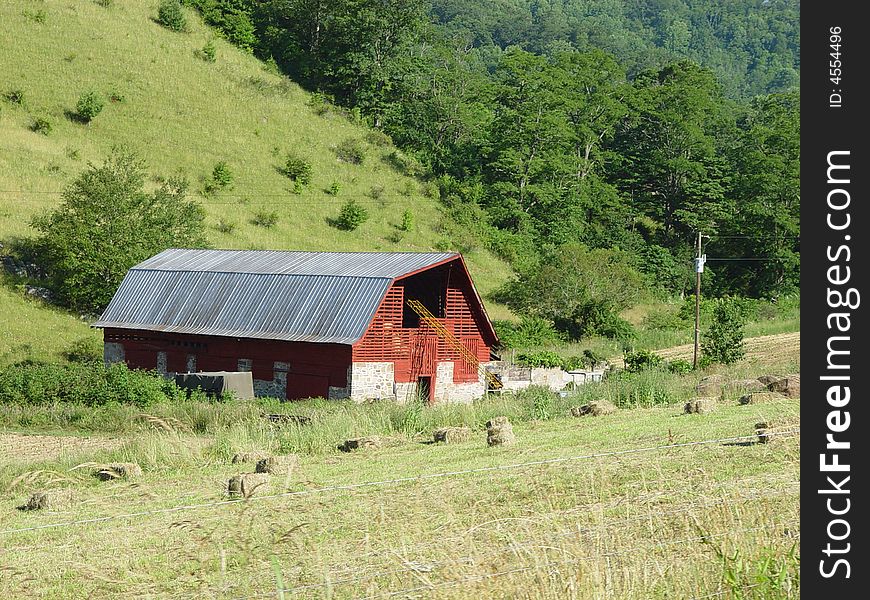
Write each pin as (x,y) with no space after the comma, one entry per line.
(183,114)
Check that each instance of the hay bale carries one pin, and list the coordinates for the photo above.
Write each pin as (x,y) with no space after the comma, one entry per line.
(249,457)
(248,484)
(595,408)
(452,435)
(790,386)
(499,432)
(746,386)
(283,464)
(710,385)
(118,471)
(47,499)
(367,442)
(760,398)
(700,406)
(766,380)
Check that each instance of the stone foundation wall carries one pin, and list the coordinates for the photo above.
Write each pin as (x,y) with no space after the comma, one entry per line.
(372,381)
(277,387)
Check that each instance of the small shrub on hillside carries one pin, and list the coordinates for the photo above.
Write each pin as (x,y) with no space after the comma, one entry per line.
(640,360)
(297,169)
(171,15)
(221,174)
(37,16)
(662,319)
(116,96)
(407,221)
(105,3)
(376,192)
(351,151)
(430,189)
(14,97)
(333,189)
(405,164)
(208,53)
(90,104)
(542,358)
(267,219)
(41,125)
(376,137)
(723,341)
(573,363)
(351,216)
(225,226)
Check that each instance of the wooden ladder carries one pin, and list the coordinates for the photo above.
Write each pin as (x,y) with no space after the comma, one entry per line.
(451,341)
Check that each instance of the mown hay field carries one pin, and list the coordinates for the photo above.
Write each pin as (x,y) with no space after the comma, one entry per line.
(643,503)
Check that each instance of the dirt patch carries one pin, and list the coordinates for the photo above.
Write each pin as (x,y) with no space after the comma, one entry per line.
(19,448)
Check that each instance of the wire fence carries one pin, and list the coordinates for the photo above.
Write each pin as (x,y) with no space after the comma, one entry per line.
(392,481)
(411,566)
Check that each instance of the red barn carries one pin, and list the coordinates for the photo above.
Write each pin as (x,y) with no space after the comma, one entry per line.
(307,324)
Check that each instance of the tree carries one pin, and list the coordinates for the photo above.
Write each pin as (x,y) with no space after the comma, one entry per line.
(107,223)
(580,290)
(723,342)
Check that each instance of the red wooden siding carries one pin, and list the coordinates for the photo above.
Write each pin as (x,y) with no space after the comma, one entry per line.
(417,350)
(313,368)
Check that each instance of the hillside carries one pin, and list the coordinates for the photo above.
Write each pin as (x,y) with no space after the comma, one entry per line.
(183,115)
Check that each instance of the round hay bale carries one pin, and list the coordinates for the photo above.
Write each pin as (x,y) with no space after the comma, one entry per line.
(595,408)
(367,442)
(47,499)
(118,471)
(452,435)
(248,484)
(700,406)
(254,456)
(760,398)
(499,432)
(790,386)
(283,464)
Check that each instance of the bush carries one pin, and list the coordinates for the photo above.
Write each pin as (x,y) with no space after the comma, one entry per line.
(87,349)
(333,189)
(267,219)
(542,358)
(171,15)
(351,151)
(529,332)
(88,383)
(592,359)
(376,137)
(225,226)
(208,53)
(15,97)
(352,215)
(41,125)
(641,360)
(405,164)
(297,169)
(222,175)
(679,366)
(723,341)
(90,104)
(407,221)
(376,192)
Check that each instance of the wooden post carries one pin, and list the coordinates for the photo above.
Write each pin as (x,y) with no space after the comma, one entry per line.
(698,267)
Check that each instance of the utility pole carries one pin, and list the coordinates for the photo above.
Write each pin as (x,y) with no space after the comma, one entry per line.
(699,268)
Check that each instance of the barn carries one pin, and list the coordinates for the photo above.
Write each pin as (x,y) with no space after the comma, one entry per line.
(360,325)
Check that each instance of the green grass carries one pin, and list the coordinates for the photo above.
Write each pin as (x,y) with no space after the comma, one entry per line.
(183,115)
(679,522)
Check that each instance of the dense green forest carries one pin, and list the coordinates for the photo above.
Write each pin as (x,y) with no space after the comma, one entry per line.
(620,127)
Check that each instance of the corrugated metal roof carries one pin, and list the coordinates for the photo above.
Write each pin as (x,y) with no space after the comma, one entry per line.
(327,297)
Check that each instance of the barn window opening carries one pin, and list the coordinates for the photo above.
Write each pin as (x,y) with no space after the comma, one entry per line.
(245,364)
(428,288)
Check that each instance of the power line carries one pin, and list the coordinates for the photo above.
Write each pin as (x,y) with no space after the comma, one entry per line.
(384,482)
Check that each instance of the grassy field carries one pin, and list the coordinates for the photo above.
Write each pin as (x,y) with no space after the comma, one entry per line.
(183,115)
(597,507)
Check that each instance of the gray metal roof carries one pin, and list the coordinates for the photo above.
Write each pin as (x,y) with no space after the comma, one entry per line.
(327,297)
